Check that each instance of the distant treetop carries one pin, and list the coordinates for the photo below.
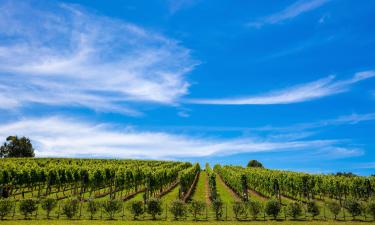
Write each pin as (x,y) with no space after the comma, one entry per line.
(254,163)
(17,147)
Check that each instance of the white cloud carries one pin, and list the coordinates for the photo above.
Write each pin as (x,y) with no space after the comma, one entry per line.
(66,137)
(65,55)
(177,5)
(292,11)
(300,93)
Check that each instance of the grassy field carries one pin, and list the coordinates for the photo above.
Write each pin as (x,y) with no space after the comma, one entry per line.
(200,192)
(93,222)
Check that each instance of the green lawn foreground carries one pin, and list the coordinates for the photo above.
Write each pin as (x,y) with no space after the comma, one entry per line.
(119,222)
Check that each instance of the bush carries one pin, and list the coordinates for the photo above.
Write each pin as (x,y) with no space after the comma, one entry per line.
(371,208)
(6,206)
(154,207)
(196,208)
(28,206)
(273,208)
(239,209)
(178,209)
(136,208)
(111,207)
(335,208)
(313,209)
(217,206)
(353,207)
(48,205)
(70,208)
(92,207)
(254,207)
(294,210)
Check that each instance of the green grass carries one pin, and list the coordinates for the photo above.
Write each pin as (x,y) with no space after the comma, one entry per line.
(200,192)
(119,222)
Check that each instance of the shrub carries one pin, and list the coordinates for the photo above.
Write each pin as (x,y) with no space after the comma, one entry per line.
(353,207)
(70,208)
(28,206)
(48,205)
(178,209)
(294,210)
(111,207)
(371,208)
(313,209)
(196,208)
(6,206)
(335,208)
(154,207)
(273,208)
(136,208)
(239,209)
(92,207)
(217,206)
(254,207)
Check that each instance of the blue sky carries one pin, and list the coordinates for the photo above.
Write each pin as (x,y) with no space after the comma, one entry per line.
(290,83)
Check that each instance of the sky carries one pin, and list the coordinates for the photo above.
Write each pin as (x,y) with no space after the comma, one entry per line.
(290,83)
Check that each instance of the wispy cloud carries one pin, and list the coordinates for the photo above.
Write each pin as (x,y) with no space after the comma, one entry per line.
(177,5)
(66,55)
(292,11)
(300,93)
(67,137)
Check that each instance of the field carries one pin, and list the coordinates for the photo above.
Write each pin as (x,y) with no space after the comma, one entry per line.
(227,194)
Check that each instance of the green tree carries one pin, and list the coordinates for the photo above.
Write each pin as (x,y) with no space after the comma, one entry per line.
(294,210)
(335,208)
(371,208)
(154,207)
(353,207)
(273,208)
(255,207)
(136,208)
(70,208)
(28,206)
(6,206)
(196,208)
(217,206)
(178,209)
(239,209)
(92,207)
(48,205)
(17,147)
(111,207)
(313,209)
(255,163)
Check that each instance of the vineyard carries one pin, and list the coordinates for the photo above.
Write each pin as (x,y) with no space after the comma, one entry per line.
(144,190)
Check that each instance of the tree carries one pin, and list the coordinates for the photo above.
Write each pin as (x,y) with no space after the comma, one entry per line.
(273,208)
(313,209)
(255,163)
(6,206)
(154,207)
(70,208)
(111,207)
(93,207)
(136,208)
(178,209)
(28,206)
(335,208)
(239,209)
(17,147)
(254,207)
(48,205)
(217,206)
(353,207)
(294,210)
(196,208)
(371,208)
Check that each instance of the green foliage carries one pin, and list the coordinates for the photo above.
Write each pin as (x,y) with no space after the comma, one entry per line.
(255,207)
(17,147)
(136,208)
(28,206)
(273,208)
(353,207)
(6,206)
(313,209)
(111,207)
(92,207)
(335,208)
(255,163)
(217,206)
(294,210)
(48,205)
(154,207)
(178,209)
(371,208)
(70,208)
(196,208)
(239,209)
